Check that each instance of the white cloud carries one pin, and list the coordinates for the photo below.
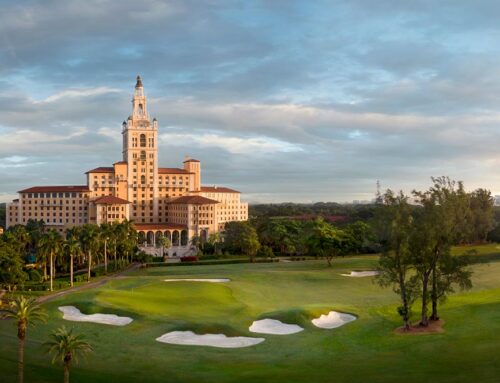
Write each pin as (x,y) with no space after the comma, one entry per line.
(235,145)
(78,93)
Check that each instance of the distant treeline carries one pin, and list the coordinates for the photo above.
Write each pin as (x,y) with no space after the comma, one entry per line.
(331,211)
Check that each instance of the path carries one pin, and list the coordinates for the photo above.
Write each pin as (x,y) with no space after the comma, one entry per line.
(89,285)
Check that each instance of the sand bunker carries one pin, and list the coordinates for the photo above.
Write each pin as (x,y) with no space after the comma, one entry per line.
(273,326)
(334,319)
(212,280)
(357,274)
(73,314)
(189,338)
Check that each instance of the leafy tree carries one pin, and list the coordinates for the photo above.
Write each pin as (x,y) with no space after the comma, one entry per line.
(482,213)
(440,222)
(65,347)
(327,241)
(215,239)
(361,235)
(51,243)
(394,225)
(241,237)
(11,267)
(18,237)
(26,312)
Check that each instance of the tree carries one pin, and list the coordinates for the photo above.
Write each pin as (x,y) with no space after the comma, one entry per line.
(18,237)
(361,235)
(74,247)
(51,243)
(106,234)
(215,239)
(394,225)
(441,221)
(11,267)
(327,241)
(482,214)
(163,242)
(35,229)
(89,238)
(241,237)
(65,347)
(27,312)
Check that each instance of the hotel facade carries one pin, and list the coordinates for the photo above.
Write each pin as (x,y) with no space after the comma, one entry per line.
(170,201)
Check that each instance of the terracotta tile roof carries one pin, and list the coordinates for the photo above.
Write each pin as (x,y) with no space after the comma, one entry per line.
(110,200)
(120,163)
(48,189)
(102,169)
(217,189)
(158,226)
(193,200)
(191,160)
(172,171)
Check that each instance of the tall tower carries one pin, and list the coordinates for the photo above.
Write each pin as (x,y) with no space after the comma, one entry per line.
(140,151)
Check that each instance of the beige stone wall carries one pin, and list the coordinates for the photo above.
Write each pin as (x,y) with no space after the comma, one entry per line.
(57,209)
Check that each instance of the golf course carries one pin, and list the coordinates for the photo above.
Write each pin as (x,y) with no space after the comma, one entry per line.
(365,350)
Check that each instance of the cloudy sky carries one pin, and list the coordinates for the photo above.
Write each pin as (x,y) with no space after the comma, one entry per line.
(283,100)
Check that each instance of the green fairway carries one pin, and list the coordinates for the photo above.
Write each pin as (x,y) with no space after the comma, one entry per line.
(366,350)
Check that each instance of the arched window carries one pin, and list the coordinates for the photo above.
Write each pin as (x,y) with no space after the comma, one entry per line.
(143,155)
(141,109)
(143,180)
(143,140)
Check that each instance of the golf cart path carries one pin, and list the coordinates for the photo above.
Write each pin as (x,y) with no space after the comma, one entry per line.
(86,286)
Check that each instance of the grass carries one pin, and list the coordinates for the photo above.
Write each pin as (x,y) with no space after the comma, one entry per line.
(366,350)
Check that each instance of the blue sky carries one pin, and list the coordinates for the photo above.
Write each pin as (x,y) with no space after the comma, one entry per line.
(283,100)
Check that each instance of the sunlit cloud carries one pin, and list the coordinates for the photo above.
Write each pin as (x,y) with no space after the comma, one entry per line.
(235,145)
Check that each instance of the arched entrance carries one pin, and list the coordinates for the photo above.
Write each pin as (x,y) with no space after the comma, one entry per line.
(151,238)
(141,238)
(175,238)
(158,237)
(184,238)
(204,235)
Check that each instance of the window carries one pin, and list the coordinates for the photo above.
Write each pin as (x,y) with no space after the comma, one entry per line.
(143,155)
(143,140)
(143,180)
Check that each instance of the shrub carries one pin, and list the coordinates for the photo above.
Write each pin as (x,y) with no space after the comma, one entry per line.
(265,252)
(34,275)
(143,257)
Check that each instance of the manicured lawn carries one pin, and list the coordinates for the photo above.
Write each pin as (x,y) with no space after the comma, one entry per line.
(366,350)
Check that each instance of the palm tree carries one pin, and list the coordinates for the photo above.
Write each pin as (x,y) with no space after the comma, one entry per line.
(89,238)
(66,347)
(163,242)
(106,233)
(214,239)
(27,312)
(51,243)
(73,246)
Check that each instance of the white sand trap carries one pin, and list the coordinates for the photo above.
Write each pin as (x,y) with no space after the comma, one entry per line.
(189,338)
(73,314)
(212,280)
(273,326)
(334,319)
(358,274)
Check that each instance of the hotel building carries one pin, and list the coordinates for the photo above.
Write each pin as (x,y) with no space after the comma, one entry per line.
(171,201)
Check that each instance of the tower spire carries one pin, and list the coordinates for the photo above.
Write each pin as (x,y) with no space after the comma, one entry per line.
(139,82)
(139,110)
